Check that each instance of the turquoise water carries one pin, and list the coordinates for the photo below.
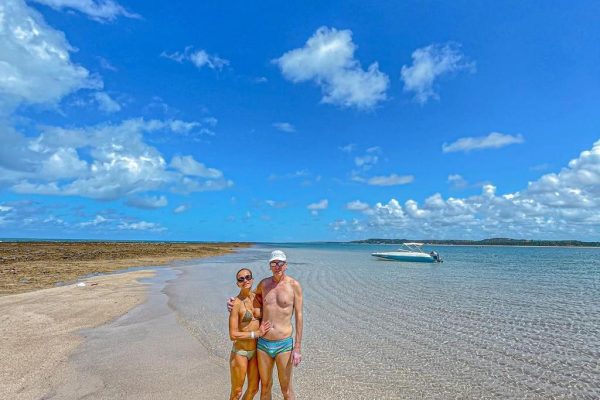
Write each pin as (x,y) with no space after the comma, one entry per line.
(489,322)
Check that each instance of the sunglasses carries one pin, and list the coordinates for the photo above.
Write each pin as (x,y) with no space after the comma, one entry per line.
(277,263)
(244,278)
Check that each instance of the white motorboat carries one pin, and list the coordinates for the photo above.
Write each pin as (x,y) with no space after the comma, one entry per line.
(411,252)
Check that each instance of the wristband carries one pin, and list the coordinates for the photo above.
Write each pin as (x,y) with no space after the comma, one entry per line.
(252,335)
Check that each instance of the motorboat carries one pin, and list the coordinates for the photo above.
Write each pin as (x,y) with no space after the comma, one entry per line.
(411,252)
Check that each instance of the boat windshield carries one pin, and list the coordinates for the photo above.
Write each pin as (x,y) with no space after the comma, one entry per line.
(413,247)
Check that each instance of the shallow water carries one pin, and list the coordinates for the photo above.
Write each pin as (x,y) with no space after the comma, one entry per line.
(490,322)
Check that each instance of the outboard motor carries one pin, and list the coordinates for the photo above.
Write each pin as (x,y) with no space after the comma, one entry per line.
(436,256)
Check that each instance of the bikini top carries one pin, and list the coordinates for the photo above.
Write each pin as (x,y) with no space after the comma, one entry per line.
(248,315)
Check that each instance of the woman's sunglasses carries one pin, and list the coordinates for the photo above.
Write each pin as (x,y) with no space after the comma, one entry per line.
(277,263)
(244,278)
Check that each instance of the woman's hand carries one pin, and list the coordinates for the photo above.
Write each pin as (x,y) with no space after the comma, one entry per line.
(265,327)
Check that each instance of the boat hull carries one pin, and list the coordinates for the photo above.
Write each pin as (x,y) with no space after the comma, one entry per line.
(426,258)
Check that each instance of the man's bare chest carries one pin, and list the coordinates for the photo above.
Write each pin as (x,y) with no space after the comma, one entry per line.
(279,296)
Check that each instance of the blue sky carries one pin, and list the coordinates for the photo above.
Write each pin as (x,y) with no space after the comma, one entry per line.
(271,121)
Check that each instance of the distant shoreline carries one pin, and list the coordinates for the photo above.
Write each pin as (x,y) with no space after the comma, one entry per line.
(492,242)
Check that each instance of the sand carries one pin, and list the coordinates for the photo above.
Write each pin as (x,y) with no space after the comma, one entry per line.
(39,330)
(27,266)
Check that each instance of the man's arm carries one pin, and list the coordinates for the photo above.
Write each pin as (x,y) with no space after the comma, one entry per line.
(296,353)
(257,304)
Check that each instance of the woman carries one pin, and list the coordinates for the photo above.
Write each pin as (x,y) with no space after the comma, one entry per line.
(244,329)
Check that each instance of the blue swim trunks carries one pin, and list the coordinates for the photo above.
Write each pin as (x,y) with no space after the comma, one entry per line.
(274,347)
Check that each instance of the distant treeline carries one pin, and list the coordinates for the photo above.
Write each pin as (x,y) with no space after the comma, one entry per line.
(486,242)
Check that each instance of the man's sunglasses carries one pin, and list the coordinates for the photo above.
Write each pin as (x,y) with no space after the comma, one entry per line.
(244,278)
(277,263)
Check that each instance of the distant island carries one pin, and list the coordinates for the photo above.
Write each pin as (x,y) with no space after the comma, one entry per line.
(486,242)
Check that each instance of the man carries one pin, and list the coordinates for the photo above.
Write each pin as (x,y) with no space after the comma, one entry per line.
(278,298)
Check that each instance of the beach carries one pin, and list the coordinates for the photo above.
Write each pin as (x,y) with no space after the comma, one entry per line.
(509,327)
(40,329)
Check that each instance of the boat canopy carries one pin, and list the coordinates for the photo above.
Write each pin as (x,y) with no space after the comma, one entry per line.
(413,244)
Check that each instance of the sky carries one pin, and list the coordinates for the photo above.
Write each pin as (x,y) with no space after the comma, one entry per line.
(295,121)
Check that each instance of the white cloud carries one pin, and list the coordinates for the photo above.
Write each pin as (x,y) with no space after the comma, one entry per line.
(391,180)
(188,166)
(429,63)
(35,64)
(319,206)
(182,208)
(558,205)
(328,60)
(284,127)
(494,140)
(120,163)
(106,103)
(141,226)
(276,204)
(147,202)
(457,181)
(369,159)
(349,148)
(200,58)
(99,10)
(357,205)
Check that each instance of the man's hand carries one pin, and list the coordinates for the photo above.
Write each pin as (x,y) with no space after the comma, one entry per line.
(230,302)
(265,327)
(296,357)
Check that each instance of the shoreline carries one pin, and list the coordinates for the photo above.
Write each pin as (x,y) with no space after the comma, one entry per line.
(29,266)
(41,329)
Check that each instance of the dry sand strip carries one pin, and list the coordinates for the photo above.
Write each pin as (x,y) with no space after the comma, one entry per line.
(39,330)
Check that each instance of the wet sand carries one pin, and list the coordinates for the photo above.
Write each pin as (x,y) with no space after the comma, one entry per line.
(27,266)
(39,330)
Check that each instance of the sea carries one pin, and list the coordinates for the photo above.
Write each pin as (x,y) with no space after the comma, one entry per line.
(487,323)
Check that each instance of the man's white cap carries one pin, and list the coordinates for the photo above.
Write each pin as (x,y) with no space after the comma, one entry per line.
(277,255)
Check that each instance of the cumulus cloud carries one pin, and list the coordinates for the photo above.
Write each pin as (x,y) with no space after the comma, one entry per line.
(99,10)
(35,63)
(200,58)
(147,202)
(558,205)
(284,127)
(327,59)
(119,163)
(494,140)
(390,180)
(188,166)
(430,63)
(357,205)
(106,103)
(319,206)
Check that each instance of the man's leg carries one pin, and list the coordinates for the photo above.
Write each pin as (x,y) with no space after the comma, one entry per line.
(284,372)
(265,370)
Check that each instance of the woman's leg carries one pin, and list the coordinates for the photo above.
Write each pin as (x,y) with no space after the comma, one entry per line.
(253,378)
(238,366)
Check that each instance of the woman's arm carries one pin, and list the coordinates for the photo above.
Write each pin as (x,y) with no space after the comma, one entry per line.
(235,333)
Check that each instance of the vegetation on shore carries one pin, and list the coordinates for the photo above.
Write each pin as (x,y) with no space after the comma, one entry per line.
(486,242)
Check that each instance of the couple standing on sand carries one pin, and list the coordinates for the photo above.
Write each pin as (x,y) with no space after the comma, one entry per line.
(275,300)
